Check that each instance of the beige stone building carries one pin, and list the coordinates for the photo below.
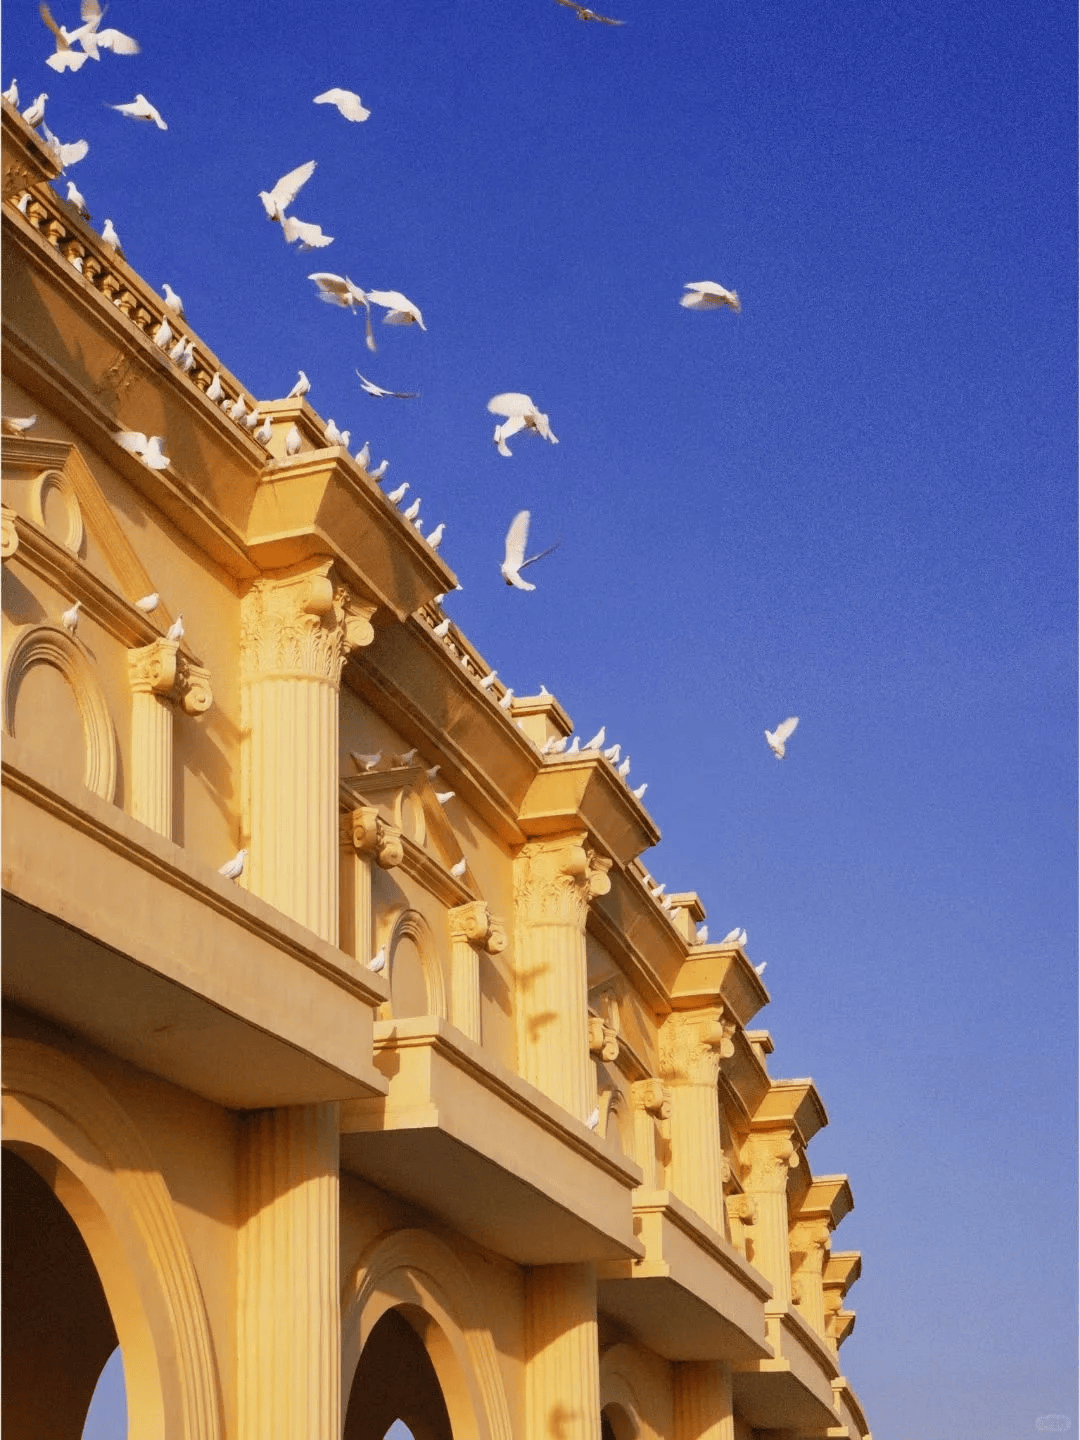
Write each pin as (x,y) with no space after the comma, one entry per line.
(532,1178)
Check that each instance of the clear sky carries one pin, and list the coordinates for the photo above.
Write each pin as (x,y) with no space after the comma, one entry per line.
(853,502)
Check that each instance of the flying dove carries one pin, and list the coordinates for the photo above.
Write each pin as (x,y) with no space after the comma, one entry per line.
(380,394)
(514,558)
(708,295)
(141,109)
(347,102)
(782,732)
(148,603)
(285,191)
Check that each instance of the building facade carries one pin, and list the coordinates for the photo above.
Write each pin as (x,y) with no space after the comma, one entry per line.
(529,1179)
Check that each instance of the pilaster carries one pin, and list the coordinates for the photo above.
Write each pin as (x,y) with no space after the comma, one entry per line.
(808,1243)
(651,1107)
(288,1305)
(562,1373)
(160,678)
(703,1403)
(297,630)
(692,1045)
(768,1160)
(372,842)
(554,881)
(472,929)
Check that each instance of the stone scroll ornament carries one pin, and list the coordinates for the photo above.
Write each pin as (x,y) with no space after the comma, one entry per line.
(160,669)
(374,839)
(474,925)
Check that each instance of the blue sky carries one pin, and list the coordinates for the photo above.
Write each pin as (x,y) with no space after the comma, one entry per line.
(853,502)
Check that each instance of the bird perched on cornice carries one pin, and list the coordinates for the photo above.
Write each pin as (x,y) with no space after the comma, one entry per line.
(147,448)
(380,394)
(265,432)
(293,441)
(363,457)
(377,963)
(302,386)
(15,425)
(597,740)
(396,496)
(701,935)
(172,300)
(760,969)
(517,537)
(777,737)
(594,1119)
(333,435)
(183,353)
(75,199)
(215,390)
(584,13)
(11,94)
(238,409)
(521,414)
(507,700)
(413,511)
(70,618)
(234,868)
(735,937)
(639,793)
(111,238)
(364,762)
(575,746)
(35,111)
(176,629)
(708,295)
(347,101)
(251,420)
(141,109)
(624,769)
(443,796)
(489,680)
(163,334)
(434,539)
(442,629)
(458,870)
(613,752)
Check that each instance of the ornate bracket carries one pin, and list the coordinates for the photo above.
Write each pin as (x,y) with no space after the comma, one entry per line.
(603,1039)
(160,669)
(374,839)
(473,924)
(652,1096)
(9,536)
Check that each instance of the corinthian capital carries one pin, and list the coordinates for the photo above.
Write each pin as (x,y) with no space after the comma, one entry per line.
(693,1043)
(473,924)
(193,687)
(554,880)
(301,624)
(809,1242)
(373,838)
(766,1160)
(742,1208)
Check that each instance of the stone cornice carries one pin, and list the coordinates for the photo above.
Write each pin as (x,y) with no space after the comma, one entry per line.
(791,1103)
(27,162)
(743,1083)
(842,1269)
(828,1199)
(703,1235)
(720,972)
(584,790)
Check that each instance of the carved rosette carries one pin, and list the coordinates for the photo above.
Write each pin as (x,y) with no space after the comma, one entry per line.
(556,879)
(603,1040)
(474,925)
(651,1096)
(766,1160)
(9,536)
(374,839)
(301,625)
(693,1043)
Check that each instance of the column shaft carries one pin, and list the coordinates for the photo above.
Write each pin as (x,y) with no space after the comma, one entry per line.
(152,760)
(696,1153)
(562,1376)
(288,1305)
(703,1406)
(465,988)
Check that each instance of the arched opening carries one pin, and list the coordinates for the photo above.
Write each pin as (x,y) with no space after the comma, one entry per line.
(57,1330)
(107,1417)
(395,1388)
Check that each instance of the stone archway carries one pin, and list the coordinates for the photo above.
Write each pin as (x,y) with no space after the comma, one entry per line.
(417,1279)
(60,1120)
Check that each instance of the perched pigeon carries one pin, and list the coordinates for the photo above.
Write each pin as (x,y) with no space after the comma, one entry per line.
(264,432)
(639,793)
(333,435)
(163,334)
(76,200)
(302,386)
(624,768)
(363,457)
(172,299)
(16,425)
(442,629)
(701,935)
(597,740)
(413,511)
(443,796)
(70,618)
(234,868)
(377,963)
(141,109)
(435,538)
(293,440)
(732,937)
(148,603)
(594,1119)
(459,869)
(488,680)
(612,753)
(380,470)
(708,295)
(760,969)
(176,629)
(35,111)
(782,732)
(365,762)
(285,191)
(348,103)
(215,390)
(146,447)
(396,496)
(111,238)
(514,561)
(507,700)
(380,393)
(433,771)
(11,94)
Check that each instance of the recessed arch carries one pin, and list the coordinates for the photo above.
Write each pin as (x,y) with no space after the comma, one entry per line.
(416,1273)
(413,936)
(61,484)
(51,645)
(71,1130)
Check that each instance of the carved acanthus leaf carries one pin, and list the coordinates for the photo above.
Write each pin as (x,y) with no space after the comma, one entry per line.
(693,1043)
(766,1160)
(301,625)
(473,924)
(556,879)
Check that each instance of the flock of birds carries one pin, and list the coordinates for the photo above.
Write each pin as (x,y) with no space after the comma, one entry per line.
(517,411)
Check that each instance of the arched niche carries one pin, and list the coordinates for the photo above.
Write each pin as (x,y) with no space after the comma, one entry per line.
(415,1274)
(54,505)
(417,984)
(52,645)
(64,1124)
(635,1401)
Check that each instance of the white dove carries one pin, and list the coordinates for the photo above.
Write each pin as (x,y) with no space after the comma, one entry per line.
(111,238)
(338,290)
(701,935)
(15,424)
(265,432)
(332,434)
(488,680)
(399,309)
(612,753)
(459,869)
(293,441)
(148,603)
(238,409)
(521,414)
(442,629)
(92,38)
(380,393)
(380,470)
(507,700)
(413,511)
(435,537)
(75,199)
(594,1119)
(234,868)
(708,295)
(347,102)
(597,740)
(163,334)
(760,969)
(396,496)
(624,768)
(517,538)
(285,191)
(35,111)
(176,629)
(444,796)
(11,94)
(377,963)
(732,937)
(70,618)
(172,299)
(146,447)
(782,732)
(363,457)
(215,390)
(64,58)
(639,793)
(64,155)
(183,352)
(311,237)
(141,109)
(302,386)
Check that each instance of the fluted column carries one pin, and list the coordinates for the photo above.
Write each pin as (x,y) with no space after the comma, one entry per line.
(372,842)
(562,1372)
(808,1242)
(703,1405)
(768,1159)
(554,880)
(288,1347)
(472,929)
(296,632)
(692,1044)
(160,677)
(651,1107)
